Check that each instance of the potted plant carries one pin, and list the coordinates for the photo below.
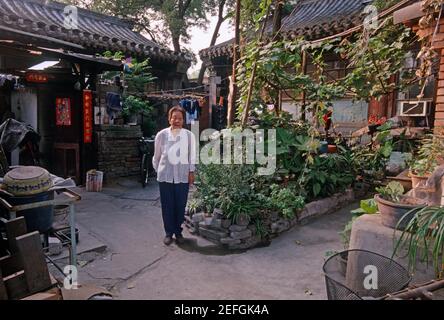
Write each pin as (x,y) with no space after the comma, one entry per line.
(132,107)
(374,122)
(367,206)
(393,205)
(429,156)
(424,236)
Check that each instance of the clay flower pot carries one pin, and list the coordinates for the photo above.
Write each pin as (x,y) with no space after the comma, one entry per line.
(391,212)
(418,181)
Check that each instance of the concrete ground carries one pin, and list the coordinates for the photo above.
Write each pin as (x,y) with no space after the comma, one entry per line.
(136,265)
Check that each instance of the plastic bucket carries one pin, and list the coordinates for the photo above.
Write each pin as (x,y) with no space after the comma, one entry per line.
(94,181)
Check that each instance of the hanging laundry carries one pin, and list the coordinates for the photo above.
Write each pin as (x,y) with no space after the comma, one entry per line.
(113,104)
(192,109)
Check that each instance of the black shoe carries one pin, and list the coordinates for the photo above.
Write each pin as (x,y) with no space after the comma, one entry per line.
(180,239)
(168,240)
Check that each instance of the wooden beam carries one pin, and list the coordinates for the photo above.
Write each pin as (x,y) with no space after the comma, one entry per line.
(10,265)
(43,296)
(16,286)
(34,263)
(3,292)
(408,13)
(15,228)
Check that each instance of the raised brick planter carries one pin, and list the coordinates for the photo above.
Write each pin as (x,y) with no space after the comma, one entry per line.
(242,235)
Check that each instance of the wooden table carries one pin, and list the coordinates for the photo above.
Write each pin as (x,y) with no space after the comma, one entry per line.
(65,147)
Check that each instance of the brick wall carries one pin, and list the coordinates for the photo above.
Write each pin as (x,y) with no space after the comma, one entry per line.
(439,46)
(439,112)
(118,150)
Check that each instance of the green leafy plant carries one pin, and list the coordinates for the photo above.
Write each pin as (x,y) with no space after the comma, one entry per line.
(370,161)
(392,192)
(403,144)
(236,189)
(368,206)
(138,76)
(286,200)
(134,105)
(430,154)
(424,233)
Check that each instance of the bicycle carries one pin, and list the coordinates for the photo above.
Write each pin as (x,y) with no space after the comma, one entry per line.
(146,146)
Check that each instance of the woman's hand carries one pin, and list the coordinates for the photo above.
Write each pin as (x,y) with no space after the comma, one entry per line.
(191,178)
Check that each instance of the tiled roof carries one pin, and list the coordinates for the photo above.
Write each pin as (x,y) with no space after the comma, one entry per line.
(313,19)
(95,32)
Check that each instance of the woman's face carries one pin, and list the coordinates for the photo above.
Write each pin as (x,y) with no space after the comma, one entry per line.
(176,120)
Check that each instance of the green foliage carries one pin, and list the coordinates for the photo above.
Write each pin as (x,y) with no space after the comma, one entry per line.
(261,229)
(163,20)
(375,56)
(278,67)
(327,175)
(368,206)
(370,161)
(135,77)
(134,105)
(392,192)
(424,233)
(403,143)
(139,76)
(430,154)
(236,189)
(286,200)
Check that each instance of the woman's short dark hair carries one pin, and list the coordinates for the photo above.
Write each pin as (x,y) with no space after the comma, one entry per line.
(176,109)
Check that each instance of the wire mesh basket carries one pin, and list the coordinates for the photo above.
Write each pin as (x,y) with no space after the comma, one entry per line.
(361,275)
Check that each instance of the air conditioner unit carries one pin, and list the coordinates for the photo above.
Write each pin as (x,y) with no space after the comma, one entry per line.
(414,108)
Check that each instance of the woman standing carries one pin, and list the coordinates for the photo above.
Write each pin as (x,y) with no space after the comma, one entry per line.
(174,162)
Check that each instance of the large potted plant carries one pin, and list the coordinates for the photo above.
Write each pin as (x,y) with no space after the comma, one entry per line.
(132,107)
(423,238)
(393,205)
(429,156)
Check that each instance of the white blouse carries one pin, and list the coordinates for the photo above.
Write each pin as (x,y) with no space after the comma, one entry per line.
(174,156)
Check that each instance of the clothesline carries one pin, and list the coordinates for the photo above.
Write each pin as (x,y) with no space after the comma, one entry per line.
(175,96)
(186,89)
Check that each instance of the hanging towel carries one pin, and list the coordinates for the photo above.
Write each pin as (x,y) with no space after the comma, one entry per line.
(113,104)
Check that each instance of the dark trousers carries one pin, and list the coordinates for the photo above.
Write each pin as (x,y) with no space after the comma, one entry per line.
(174,199)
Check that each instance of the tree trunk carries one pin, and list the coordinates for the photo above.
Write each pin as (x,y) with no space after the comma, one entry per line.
(176,42)
(277,23)
(220,20)
(277,18)
(232,100)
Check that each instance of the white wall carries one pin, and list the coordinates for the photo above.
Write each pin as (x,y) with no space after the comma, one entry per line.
(347,115)
(24,106)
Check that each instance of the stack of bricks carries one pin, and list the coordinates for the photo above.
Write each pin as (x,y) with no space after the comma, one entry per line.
(118,150)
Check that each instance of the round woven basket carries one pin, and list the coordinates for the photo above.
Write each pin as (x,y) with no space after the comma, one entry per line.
(27,180)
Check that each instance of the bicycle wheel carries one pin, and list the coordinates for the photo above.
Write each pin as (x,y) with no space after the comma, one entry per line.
(144,170)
